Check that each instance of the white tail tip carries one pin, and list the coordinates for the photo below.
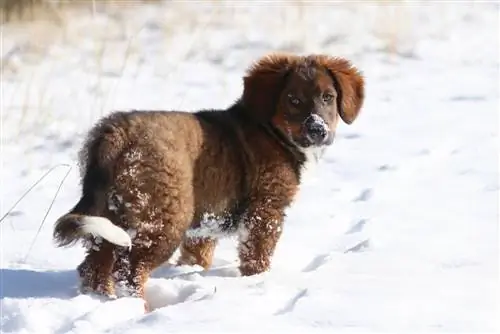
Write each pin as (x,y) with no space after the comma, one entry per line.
(104,228)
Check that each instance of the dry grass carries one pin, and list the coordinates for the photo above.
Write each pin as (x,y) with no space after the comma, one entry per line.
(115,46)
(31,10)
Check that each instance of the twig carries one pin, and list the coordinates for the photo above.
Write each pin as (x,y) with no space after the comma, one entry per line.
(47,213)
(31,188)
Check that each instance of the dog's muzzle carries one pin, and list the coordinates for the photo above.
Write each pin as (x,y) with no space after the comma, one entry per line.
(316,130)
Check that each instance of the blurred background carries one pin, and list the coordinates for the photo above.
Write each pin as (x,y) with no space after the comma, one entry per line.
(67,63)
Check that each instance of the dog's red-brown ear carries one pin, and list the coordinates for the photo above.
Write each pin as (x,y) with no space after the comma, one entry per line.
(263,83)
(350,86)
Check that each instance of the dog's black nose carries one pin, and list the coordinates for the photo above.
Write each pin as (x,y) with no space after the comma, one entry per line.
(316,129)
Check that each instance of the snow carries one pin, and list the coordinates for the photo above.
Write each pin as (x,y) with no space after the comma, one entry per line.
(395,231)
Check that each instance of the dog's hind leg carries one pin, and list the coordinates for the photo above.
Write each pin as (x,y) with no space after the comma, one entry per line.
(158,208)
(121,272)
(132,270)
(95,270)
(154,243)
(197,251)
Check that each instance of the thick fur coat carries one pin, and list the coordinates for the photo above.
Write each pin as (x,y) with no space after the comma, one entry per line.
(154,181)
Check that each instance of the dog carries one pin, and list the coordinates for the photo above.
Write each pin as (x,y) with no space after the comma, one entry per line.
(156,181)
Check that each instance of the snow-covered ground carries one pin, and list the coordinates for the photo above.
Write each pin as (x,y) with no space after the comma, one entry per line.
(397,230)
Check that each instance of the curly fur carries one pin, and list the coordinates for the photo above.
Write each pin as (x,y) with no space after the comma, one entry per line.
(162,176)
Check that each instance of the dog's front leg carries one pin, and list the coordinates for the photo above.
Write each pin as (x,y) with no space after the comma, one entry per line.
(258,237)
(197,250)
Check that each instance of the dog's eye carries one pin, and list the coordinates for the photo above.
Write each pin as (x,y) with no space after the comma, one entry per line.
(293,100)
(328,97)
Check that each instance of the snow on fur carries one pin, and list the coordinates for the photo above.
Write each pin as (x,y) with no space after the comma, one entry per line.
(396,230)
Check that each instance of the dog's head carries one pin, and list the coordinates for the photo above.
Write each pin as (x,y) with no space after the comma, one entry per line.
(304,96)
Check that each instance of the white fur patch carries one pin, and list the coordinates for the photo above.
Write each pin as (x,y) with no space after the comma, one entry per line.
(211,226)
(104,228)
(313,156)
(214,226)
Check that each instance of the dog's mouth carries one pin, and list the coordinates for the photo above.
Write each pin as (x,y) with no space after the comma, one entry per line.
(307,142)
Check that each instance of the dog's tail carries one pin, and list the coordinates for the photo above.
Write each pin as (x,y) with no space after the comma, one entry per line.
(105,143)
(73,227)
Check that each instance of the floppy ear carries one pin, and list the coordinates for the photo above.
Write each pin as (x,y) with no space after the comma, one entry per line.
(263,83)
(349,83)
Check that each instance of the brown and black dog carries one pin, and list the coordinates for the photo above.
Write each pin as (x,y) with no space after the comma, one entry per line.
(153,181)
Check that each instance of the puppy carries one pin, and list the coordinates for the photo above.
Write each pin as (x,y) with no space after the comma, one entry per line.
(153,181)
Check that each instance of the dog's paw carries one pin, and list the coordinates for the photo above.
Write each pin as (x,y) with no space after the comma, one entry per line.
(252,268)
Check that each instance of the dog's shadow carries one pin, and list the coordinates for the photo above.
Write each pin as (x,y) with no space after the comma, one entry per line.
(26,283)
